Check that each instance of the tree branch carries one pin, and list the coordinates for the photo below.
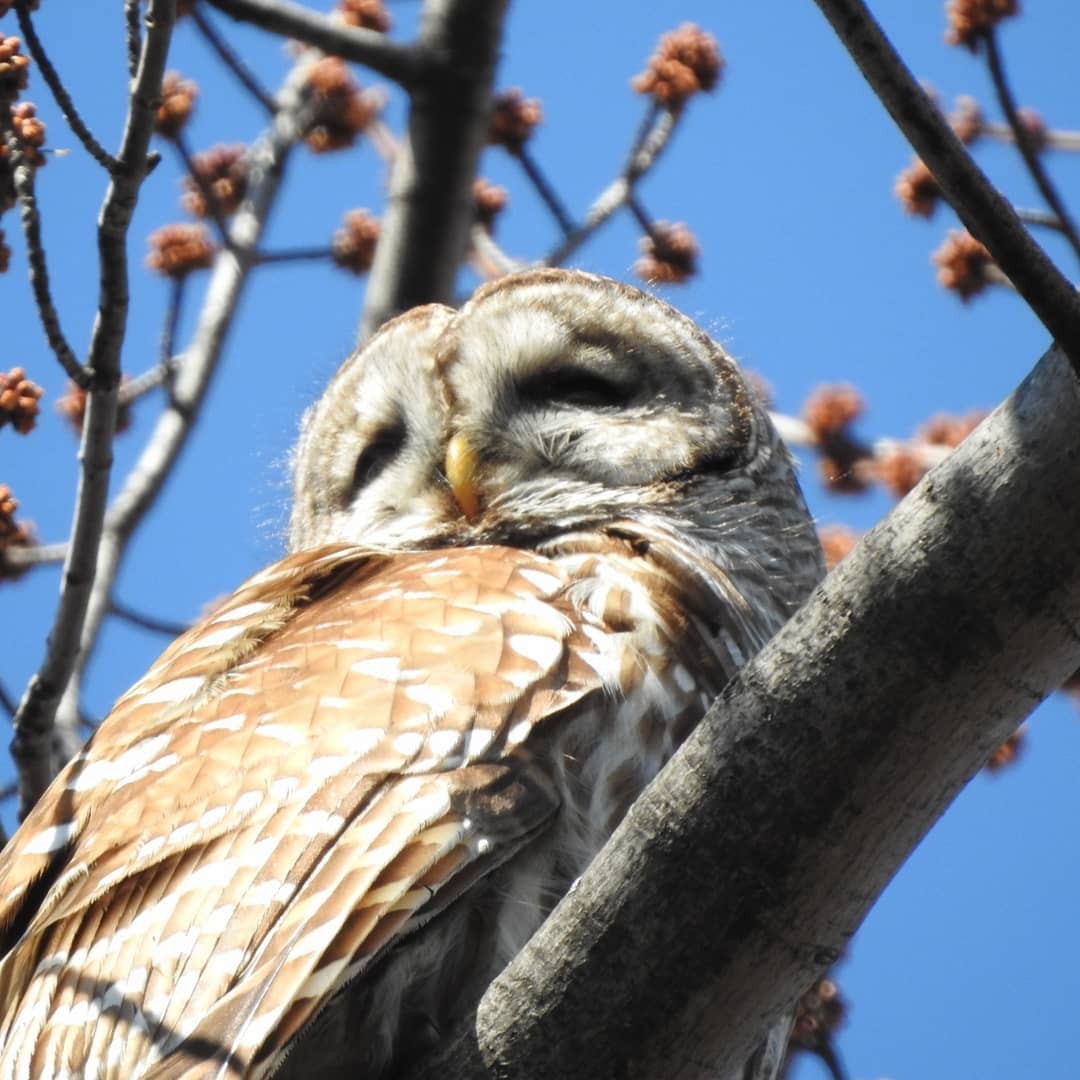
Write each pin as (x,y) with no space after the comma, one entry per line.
(980,206)
(32,745)
(59,91)
(1025,142)
(401,63)
(429,213)
(231,271)
(744,869)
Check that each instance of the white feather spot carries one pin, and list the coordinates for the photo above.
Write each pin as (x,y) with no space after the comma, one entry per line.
(324,981)
(209,818)
(221,636)
(408,744)
(247,802)
(226,723)
(321,768)
(50,839)
(314,940)
(461,629)
(283,787)
(362,741)
(174,690)
(386,668)
(542,651)
(546,583)
(281,732)
(436,698)
(318,823)
(430,806)
(175,945)
(132,759)
(519,732)
(444,743)
(477,741)
(243,611)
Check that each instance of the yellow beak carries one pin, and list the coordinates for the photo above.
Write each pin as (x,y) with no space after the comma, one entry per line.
(462,465)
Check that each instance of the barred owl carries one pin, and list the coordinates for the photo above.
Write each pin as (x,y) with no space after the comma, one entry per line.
(531,541)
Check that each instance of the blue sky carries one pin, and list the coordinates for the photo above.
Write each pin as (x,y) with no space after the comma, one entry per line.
(968,966)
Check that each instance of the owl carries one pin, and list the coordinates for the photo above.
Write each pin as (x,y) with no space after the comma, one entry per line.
(531,541)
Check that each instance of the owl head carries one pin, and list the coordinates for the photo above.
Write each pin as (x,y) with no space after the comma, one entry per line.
(552,402)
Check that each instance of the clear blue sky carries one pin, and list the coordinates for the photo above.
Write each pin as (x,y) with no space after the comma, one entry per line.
(968,966)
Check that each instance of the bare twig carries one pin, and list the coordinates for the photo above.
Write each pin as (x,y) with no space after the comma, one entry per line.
(404,64)
(1025,141)
(206,190)
(23,179)
(425,230)
(545,190)
(33,744)
(987,215)
(311,254)
(37,555)
(1043,218)
(488,258)
(1051,138)
(167,347)
(232,60)
(649,142)
(134,35)
(146,622)
(266,163)
(7,702)
(59,92)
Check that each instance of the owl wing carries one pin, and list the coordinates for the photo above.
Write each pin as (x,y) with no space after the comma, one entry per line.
(321,765)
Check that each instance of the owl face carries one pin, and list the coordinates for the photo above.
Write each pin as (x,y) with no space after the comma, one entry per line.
(368,467)
(552,401)
(578,400)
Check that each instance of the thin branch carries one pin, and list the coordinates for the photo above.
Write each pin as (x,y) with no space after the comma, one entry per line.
(744,868)
(404,64)
(59,92)
(425,230)
(7,702)
(23,179)
(1052,139)
(35,727)
(37,555)
(1042,218)
(232,61)
(146,622)
(206,189)
(311,254)
(649,142)
(546,191)
(134,35)
(1025,141)
(266,164)
(487,257)
(984,211)
(167,346)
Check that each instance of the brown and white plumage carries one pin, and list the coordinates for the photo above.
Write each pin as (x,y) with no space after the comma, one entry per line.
(532,540)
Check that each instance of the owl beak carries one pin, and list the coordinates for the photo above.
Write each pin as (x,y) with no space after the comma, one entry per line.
(462,467)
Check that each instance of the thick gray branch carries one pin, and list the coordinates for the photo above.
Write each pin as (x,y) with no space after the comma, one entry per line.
(744,869)
(425,231)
